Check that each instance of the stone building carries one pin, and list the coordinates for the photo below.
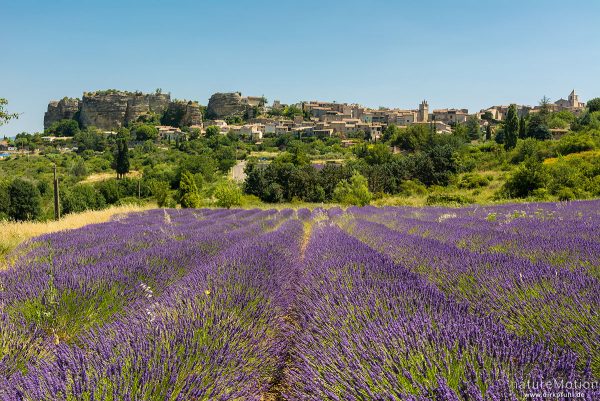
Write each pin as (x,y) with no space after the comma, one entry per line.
(572,103)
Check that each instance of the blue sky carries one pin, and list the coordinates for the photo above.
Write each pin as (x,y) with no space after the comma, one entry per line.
(395,53)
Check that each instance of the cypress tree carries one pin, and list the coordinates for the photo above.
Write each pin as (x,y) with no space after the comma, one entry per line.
(522,128)
(122,165)
(511,127)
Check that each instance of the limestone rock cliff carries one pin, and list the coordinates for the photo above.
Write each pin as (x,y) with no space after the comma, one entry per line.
(64,109)
(113,109)
(145,104)
(183,114)
(222,105)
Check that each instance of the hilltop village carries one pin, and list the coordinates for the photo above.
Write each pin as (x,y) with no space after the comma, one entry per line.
(252,118)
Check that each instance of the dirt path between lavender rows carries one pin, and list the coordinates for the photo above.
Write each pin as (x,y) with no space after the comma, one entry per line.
(291,320)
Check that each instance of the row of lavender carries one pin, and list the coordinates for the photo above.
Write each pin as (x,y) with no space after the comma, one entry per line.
(524,285)
(363,304)
(164,305)
(371,329)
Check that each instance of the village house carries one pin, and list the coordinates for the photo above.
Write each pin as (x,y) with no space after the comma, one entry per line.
(168,133)
(323,132)
(254,101)
(303,131)
(275,127)
(450,116)
(499,113)
(440,126)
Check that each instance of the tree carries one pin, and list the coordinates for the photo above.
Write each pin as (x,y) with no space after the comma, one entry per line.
(81,198)
(4,199)
(353,192)
(537,127)
(487,116)
(389,132)
(25,200)
(473,128)
(530,175)
(90,139)
(189,195)
(212,131)
(160,191)
(5,116)
(544,106)
(594,104)
(412,137)
(122,159)
(378,154)
(511,127)
(79,170)
(522,128)
(255,183)
(226,158)
(488,132)
(68,128)
(273,193)
(292,111)
(436,166)
(145,132)
(228,194)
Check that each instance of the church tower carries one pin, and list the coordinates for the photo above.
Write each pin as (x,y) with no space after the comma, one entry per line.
(573,99)
(423,112)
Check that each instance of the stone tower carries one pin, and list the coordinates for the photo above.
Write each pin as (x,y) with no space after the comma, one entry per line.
(423,112)
(573,99)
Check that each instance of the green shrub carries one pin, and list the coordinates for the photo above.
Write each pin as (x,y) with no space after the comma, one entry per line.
(273,193)
(473,181)
(189,195)
(82,197)
(574,143)
(410,187)
(529,176)
(145,132)
(525,148)
(540,194)
(228,194)
(24,200)
(160,191)
(565,194)
(4,199)
(64,128)
(448,199)
(353,192)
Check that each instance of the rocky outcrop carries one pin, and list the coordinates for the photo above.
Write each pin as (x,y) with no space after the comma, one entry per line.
(64,109)
(114,109)
(181,113)
(193,115)
(142,105)
(107,110)
(221,105)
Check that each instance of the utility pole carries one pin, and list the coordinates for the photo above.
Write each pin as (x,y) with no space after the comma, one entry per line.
(56,196)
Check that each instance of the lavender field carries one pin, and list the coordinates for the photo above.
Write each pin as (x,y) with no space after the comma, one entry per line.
(477,303)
